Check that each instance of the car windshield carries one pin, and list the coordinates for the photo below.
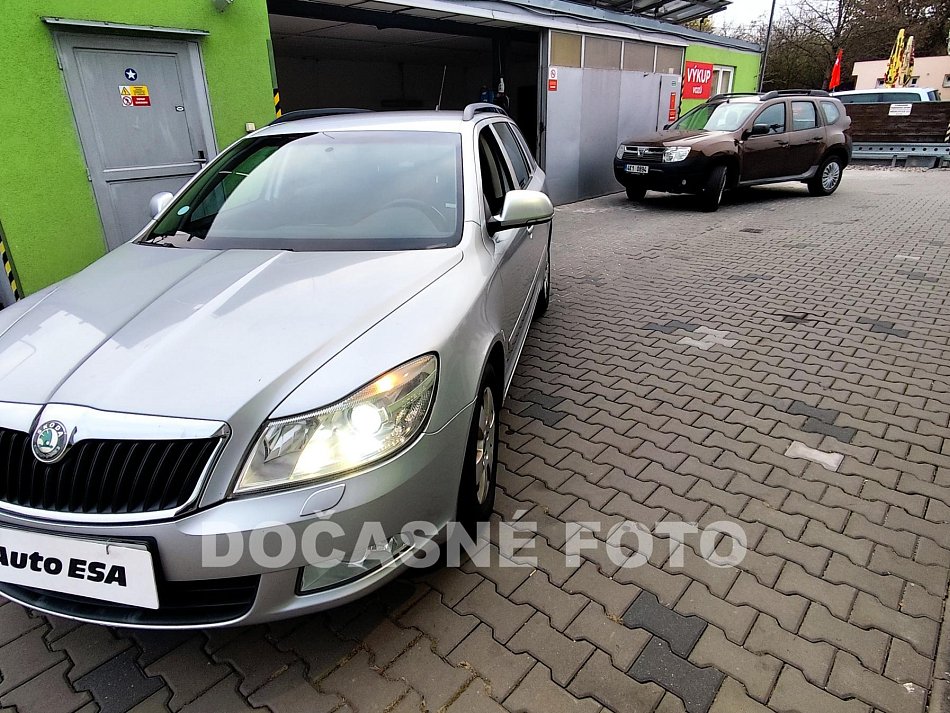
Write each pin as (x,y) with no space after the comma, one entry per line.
(722,116)
(345,190)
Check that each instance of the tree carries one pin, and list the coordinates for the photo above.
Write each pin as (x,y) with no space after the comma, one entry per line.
(807,34)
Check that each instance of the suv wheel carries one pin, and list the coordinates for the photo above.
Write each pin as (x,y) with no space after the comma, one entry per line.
(711,196)
(636,193)
(828,178)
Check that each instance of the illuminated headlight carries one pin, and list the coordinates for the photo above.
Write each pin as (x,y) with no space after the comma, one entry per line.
(675,153)
(365,427)
(621,150)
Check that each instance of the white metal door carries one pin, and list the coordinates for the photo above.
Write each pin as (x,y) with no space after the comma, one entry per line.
(141,108)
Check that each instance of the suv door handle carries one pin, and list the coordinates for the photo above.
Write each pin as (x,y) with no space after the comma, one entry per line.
(783,143)
(816,140)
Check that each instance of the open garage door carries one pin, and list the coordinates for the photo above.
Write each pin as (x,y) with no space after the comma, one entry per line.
(335,55)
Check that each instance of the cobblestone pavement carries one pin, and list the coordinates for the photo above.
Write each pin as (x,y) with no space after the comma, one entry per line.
(682,357)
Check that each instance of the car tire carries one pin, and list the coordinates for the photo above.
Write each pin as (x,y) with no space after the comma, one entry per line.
(636,193)
(828,177)
(711,197)
(476,497)
(544,296)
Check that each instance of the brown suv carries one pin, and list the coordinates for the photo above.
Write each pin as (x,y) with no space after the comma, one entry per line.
(742,140)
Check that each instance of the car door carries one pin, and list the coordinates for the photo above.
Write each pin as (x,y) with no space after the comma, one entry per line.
(527,177)
(513,269)
(806,138)
(766,156)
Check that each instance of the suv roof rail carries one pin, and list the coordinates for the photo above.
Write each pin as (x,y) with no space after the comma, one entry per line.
(795,92)
(481,108)
(315,114)
(727,95)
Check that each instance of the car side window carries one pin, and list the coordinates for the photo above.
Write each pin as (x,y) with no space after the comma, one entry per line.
(804,116)
(515,154)
(496,181)
(774,116)
(830,112)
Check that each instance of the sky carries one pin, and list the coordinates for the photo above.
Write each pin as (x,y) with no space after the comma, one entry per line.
(744,11)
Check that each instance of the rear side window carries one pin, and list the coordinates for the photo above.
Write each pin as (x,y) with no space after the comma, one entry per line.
(804,116)
(830,112)
(515,154)
(774,116)
(900,97)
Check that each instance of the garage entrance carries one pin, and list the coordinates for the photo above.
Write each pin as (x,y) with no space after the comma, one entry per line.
(329,55)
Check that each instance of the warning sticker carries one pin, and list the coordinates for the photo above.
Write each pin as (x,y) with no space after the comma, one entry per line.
(134,95)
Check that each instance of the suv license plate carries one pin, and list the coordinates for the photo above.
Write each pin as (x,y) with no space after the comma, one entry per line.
(98,569)
(633,168)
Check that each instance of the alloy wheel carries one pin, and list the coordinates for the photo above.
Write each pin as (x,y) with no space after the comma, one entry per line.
(485,445)
(830,176)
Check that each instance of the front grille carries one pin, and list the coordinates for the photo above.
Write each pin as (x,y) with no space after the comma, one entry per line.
(644,154)
(192,603)
(103,477)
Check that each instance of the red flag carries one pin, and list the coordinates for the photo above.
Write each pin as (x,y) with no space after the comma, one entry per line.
(835,80)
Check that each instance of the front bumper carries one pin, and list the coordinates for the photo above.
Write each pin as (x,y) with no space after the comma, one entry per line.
(418,484)
(687,176)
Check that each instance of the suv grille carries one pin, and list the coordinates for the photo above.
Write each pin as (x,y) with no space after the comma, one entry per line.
(645,154)
(103,477)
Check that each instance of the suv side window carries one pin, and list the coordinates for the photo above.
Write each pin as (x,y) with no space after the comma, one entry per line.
(774,116)
(831,112)
(515,154)
(804,116)
(496,180)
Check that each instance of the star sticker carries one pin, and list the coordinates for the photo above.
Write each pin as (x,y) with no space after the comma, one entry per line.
(131,74)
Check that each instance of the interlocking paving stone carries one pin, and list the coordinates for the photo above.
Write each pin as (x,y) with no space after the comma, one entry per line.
(537,693)
(697,687)
(680,632)
(24,658)
(119,684)
(842,433)
(608,420)
(882,327)
(290,691)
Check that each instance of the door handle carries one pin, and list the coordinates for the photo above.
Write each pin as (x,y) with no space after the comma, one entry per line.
(201,157)
(783,143)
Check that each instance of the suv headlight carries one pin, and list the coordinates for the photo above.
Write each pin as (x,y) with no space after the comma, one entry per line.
(675,153)
(363,428)
(621,150)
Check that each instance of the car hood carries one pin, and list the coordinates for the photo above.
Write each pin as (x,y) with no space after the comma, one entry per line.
(674,138)
(200,333)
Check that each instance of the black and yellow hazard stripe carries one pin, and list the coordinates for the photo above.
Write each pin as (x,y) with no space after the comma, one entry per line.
(277,101)
(947,137)
(8,268)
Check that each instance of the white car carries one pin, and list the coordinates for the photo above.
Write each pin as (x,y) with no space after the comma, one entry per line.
(888,95)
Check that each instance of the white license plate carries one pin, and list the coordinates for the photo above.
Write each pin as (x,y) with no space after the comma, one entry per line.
(96,569)
(634,168)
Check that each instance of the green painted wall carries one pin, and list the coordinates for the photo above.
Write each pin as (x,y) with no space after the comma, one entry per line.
(47,208)
(746,78)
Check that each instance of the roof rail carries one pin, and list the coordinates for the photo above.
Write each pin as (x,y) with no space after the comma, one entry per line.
(727,95)
(481,108)
(314,114)
(795,92)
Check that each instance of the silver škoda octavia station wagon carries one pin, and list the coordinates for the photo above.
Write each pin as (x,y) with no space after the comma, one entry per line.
(314,336)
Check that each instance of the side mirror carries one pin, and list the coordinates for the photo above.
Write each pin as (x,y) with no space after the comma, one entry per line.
(158,203)
(521,209)
(759,130)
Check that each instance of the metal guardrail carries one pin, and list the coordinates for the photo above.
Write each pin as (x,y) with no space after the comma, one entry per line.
(895,152)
